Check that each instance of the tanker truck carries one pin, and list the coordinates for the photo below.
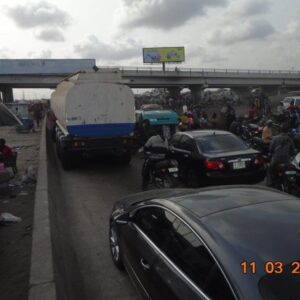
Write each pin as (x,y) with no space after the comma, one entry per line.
(93,113)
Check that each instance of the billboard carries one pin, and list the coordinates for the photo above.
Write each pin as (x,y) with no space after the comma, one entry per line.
(164,54)
(44,66)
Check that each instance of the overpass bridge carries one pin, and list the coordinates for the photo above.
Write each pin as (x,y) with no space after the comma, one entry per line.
(172,78)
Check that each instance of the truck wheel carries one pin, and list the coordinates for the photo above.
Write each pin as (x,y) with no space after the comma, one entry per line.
(57,147)
(67,159)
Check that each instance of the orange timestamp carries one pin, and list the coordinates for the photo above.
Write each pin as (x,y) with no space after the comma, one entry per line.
(271,267)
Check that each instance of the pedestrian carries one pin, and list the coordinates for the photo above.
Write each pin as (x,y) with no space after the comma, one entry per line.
(6,152)
(267,133)
(252,111)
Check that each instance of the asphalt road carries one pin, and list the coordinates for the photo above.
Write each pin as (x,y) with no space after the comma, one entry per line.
(80,204)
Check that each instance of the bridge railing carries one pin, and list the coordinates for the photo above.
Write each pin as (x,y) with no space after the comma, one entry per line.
(182,71)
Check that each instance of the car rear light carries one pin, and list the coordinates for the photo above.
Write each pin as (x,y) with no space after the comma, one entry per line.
(259,160)
(213,164)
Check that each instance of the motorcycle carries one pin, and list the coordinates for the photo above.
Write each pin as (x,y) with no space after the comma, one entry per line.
(162,171)
(285,178)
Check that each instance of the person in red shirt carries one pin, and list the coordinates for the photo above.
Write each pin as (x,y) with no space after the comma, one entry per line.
(292,106)
(252,112)
(5,151)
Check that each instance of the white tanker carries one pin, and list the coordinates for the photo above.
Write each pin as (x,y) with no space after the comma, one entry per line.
(93,113)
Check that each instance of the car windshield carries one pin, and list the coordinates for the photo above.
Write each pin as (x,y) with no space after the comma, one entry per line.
(221,143)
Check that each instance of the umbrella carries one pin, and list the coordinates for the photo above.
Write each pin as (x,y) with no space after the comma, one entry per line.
(7,118)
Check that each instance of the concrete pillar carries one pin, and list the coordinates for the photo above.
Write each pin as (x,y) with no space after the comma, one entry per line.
(197,92)
(7,94)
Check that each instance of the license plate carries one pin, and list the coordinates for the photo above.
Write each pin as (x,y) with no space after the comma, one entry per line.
(173,170)
(239,165)
(290,172)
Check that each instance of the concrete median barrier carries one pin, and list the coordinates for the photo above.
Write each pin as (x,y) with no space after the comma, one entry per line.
(42,284)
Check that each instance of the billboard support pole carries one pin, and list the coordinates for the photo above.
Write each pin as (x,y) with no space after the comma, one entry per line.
(164,66)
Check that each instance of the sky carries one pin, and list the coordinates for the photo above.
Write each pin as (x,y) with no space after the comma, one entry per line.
(244,34)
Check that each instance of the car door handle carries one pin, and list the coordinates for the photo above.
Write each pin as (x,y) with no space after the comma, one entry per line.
(144,264)
(186,155)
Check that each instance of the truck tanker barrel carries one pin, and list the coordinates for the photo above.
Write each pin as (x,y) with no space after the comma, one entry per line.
(93,113)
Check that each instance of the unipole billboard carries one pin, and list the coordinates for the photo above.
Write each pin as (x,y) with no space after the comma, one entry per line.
(163,55)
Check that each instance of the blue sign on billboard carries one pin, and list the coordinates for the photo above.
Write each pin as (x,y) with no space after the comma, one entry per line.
(44,66)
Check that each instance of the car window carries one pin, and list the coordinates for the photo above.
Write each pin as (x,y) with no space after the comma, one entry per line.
(175,140)
(178,242)
(221,143)
(186,143)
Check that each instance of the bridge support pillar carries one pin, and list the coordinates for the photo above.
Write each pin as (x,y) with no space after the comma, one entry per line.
(197,93)
(7,94)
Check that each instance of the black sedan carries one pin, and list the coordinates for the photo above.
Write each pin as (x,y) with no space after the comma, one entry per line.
(208,157)
(230,242)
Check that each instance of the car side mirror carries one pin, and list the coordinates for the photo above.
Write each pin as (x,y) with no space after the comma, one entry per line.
(123,219)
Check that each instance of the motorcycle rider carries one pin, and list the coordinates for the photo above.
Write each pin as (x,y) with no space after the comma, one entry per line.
(281,150)
(267,133)
(157,145)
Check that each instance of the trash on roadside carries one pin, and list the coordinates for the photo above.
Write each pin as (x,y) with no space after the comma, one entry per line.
(29,175)
(7,218)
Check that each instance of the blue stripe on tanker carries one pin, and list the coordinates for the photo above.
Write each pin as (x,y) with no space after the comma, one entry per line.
(101,130)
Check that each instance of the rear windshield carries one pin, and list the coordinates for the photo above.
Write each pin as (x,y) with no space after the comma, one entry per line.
(220,143)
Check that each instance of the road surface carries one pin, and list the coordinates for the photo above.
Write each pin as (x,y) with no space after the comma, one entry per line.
(80,204)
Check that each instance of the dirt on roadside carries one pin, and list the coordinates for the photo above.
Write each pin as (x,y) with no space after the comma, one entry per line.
(18,199)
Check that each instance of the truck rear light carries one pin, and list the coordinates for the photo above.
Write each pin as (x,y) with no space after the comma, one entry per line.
(214,164)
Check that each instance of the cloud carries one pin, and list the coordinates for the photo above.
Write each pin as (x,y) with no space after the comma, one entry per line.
(248,8)
(51,35)
(206,57)
(38,14)
(95,48)
(42,55)
(6,52)
(162,14)
(253,30)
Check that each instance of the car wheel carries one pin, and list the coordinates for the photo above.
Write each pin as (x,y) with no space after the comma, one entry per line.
(115,247)
(193,179)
